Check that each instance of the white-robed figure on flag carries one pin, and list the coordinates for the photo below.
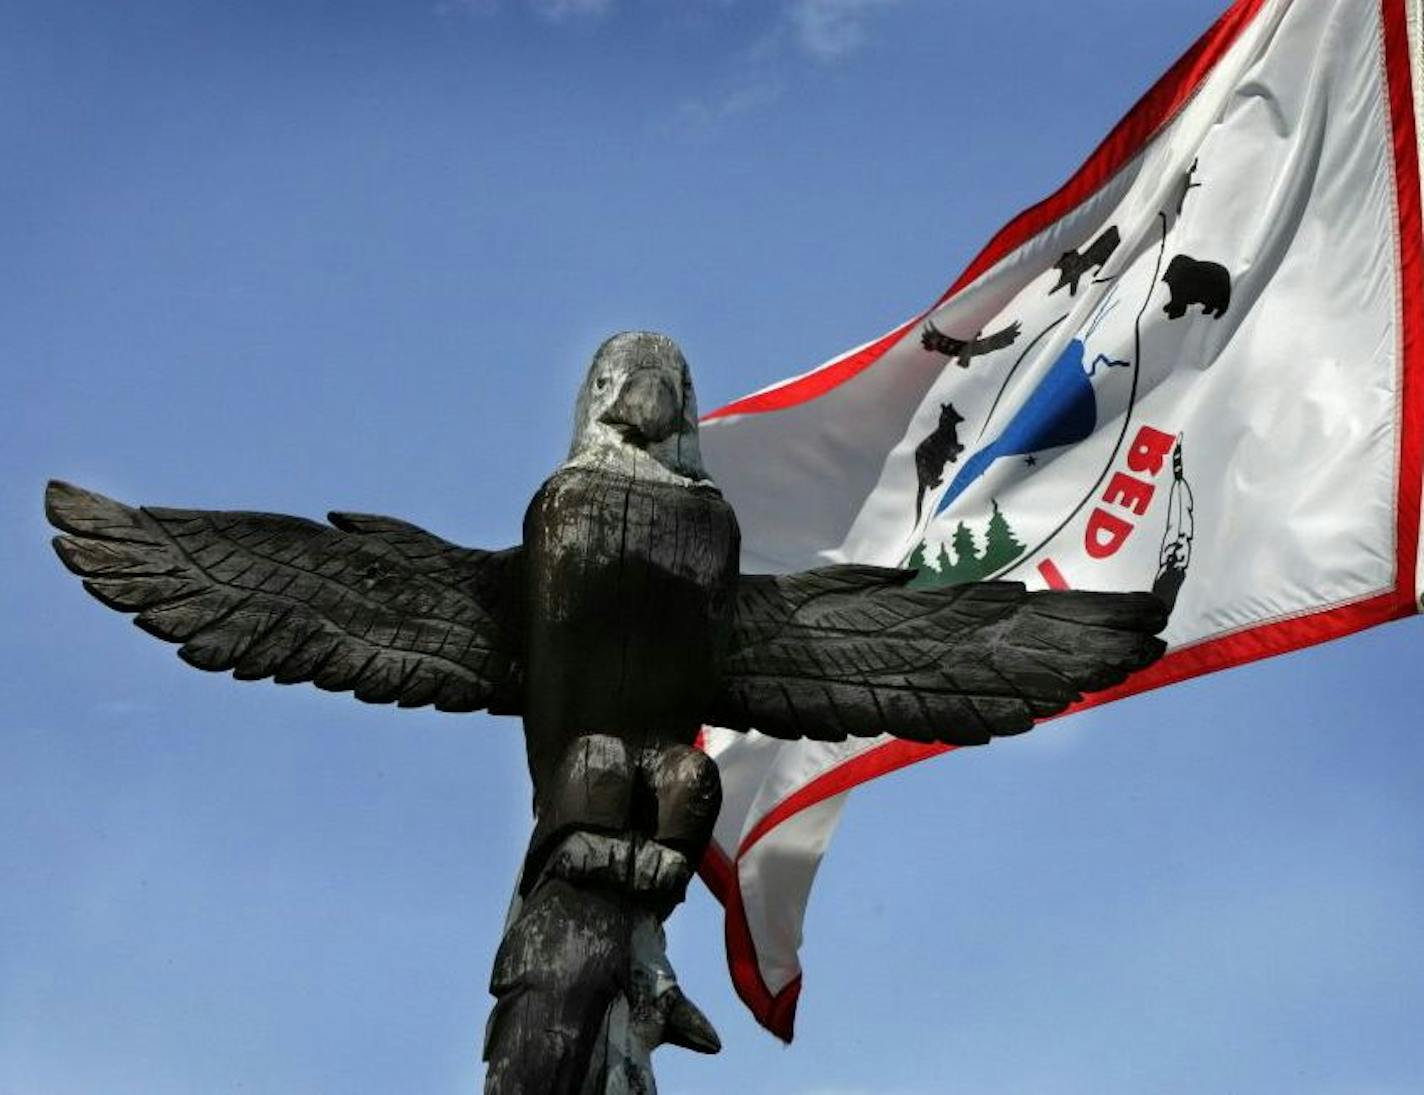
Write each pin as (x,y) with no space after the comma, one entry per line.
(1196,369)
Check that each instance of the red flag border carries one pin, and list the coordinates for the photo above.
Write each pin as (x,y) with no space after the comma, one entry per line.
(777,1010)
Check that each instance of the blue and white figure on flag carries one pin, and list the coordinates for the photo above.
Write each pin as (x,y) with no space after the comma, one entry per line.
(1060,409)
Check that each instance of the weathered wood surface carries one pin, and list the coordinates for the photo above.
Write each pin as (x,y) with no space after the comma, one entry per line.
(631,585)
(370,605)
(849,651)
(617,629)
(584,993)
(631,574)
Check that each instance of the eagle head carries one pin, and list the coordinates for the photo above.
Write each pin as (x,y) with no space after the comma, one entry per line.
(637,404)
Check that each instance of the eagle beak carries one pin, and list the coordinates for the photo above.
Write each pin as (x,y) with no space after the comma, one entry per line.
(647,408)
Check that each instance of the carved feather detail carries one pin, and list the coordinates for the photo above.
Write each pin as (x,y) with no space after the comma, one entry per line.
(370,605)
(853,651)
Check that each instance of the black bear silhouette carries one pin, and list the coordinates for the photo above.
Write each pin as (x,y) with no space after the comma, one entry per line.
(1196,282)
(938,449)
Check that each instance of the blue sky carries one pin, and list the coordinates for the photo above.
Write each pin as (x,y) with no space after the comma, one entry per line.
(310,255)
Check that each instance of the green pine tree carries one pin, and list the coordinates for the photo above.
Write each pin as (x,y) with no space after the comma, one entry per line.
(946,566)
(927,576)
(967,566)
(1001,546)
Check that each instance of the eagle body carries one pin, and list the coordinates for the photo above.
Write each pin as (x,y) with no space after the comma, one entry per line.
(616,629)
(630,586)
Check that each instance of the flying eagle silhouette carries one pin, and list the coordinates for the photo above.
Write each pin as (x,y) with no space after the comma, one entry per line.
(965,350)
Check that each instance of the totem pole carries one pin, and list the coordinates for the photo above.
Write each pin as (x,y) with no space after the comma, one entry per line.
(617,629)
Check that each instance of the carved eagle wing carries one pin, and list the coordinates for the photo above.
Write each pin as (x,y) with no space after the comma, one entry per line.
(370,605)
(854,651)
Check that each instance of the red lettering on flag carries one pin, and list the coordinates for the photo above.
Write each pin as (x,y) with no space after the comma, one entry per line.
(1149,448)
(1050,573)
(1134,494)
(1106,534)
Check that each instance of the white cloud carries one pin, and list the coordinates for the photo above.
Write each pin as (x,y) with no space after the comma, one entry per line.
(570,9)
(828,30)
(555,11)
(739,97)
(467,7)
(824,30)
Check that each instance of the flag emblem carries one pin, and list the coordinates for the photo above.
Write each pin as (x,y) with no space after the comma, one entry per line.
(1054,391)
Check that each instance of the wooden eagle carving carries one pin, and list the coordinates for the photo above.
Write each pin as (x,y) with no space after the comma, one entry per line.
(617,628)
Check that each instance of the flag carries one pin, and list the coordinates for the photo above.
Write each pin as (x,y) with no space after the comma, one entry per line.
(1195,368)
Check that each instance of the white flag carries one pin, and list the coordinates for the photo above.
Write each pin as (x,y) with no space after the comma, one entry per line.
(1197,368)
